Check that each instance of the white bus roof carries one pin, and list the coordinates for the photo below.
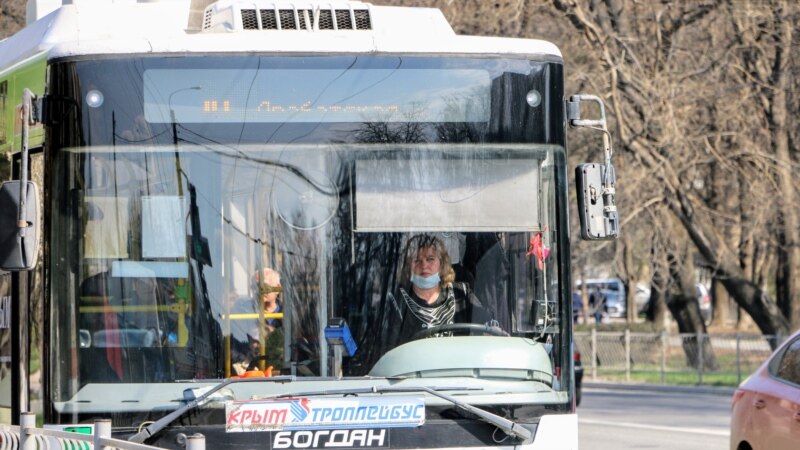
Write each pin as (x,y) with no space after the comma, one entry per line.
(107,27)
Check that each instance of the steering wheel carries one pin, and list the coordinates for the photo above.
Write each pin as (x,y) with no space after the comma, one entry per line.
(456,327)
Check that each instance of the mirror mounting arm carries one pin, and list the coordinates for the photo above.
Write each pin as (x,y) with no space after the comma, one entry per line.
(575,120)
(27,121)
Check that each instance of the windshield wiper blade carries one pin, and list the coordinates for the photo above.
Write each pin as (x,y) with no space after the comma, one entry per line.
(510,427)
(161,423)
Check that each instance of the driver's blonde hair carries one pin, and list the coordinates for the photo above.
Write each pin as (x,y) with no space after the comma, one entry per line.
(421,242)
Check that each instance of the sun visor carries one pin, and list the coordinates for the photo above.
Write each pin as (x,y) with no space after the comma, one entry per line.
(457,194)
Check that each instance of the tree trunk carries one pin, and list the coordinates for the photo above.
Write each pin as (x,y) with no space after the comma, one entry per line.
(720,304)
(656,311)
(682,303)
(657,305)
(722,181)
(628,276)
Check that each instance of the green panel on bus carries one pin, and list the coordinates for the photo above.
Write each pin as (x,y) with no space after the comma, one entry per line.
(30,74)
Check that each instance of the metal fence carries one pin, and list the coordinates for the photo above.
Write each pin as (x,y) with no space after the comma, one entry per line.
(704,359)
(27,436)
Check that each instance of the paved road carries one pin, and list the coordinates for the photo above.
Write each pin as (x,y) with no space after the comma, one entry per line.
(612,419)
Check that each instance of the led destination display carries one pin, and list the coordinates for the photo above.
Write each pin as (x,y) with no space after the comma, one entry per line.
(316,95)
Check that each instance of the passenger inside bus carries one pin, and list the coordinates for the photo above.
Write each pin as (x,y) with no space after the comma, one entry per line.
(427,295)
(266,288)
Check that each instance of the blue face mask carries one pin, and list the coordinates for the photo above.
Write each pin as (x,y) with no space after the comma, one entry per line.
(425,282)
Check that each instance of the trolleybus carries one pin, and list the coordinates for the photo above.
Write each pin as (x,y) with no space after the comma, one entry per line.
(212,212)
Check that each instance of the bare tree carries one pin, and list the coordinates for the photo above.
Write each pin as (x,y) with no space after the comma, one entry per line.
(764,34)
(661,90)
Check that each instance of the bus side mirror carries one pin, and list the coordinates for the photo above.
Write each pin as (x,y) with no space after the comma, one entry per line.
(596,209)
(19,240)
(596,182)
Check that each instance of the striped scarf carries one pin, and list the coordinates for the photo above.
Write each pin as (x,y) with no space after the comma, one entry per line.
(432,316)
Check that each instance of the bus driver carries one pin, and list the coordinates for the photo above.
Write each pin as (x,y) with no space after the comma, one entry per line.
(427,296)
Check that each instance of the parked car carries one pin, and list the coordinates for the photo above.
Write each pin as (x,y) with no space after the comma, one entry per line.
(765,412)
(578,377)
(612,292)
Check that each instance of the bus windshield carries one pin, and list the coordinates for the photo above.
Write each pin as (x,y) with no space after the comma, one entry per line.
(190,250)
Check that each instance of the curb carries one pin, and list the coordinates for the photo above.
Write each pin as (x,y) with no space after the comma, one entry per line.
(698,389)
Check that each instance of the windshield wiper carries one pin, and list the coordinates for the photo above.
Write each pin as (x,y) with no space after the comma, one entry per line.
(510,427)
(161,423)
